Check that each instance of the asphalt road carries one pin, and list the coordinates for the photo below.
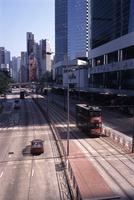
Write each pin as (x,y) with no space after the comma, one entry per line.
(23,176)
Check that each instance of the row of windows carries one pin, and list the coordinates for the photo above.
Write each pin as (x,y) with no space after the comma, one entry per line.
(123,79)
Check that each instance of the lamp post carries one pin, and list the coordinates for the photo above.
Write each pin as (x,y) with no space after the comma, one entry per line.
(133,133)
(68,108)
(79,85)
(47,89)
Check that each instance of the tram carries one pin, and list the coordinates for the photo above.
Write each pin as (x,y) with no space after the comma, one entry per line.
(89,119)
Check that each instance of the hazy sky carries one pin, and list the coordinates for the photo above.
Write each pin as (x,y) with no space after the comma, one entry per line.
(20,16)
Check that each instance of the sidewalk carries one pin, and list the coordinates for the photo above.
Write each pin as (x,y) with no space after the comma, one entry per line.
(91,184)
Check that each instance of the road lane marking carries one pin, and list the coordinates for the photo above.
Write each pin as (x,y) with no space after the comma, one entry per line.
(32,172)
(1,174)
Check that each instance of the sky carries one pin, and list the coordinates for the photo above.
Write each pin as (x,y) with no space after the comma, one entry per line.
(20,16)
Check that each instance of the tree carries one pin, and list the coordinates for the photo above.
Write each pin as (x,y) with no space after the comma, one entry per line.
(4,81)
(46,78)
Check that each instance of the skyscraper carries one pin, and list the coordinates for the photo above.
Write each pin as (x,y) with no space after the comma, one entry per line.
(60,29)
(2,56)
(71,29)
(32,61)
(4,59)
(30,43)
(71,33)
(78,27)
(45,56)
(112,45)
(15,68)
(24,67)
(110,20)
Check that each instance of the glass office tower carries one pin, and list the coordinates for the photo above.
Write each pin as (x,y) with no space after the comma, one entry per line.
(71,28)
(110,20)
(78,41)
(60,29)
(112,45)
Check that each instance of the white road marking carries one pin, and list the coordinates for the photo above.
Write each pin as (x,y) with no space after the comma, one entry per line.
(1,174)
(32,172)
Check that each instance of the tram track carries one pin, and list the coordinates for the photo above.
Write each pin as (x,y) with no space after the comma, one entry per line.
(122,183)
(59,166)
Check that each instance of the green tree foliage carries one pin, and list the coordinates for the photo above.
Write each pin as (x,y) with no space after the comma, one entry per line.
(46,78)
(4,81)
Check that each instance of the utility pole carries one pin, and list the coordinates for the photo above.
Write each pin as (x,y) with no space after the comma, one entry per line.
(133,133)
(68,127)
(68,107)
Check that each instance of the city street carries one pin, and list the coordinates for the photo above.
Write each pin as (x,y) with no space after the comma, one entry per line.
(21,172)
(109,159)
(67,100)
(22,175)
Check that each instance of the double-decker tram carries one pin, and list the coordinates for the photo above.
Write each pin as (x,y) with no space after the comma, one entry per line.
(89,119)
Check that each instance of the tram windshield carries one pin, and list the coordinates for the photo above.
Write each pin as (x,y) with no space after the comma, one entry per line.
(95,114)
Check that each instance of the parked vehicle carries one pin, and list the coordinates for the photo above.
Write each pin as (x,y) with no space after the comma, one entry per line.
(89,119)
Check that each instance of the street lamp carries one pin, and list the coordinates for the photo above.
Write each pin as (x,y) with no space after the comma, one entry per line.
(47,89)
(68,108)
(68,120)
(133,133)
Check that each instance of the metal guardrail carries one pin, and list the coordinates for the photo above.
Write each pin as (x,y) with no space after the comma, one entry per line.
(118,138)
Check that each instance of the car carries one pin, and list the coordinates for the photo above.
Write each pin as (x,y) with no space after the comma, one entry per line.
(37,147)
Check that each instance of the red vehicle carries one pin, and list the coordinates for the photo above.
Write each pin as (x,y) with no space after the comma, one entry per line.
(89,119)
(37,147)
